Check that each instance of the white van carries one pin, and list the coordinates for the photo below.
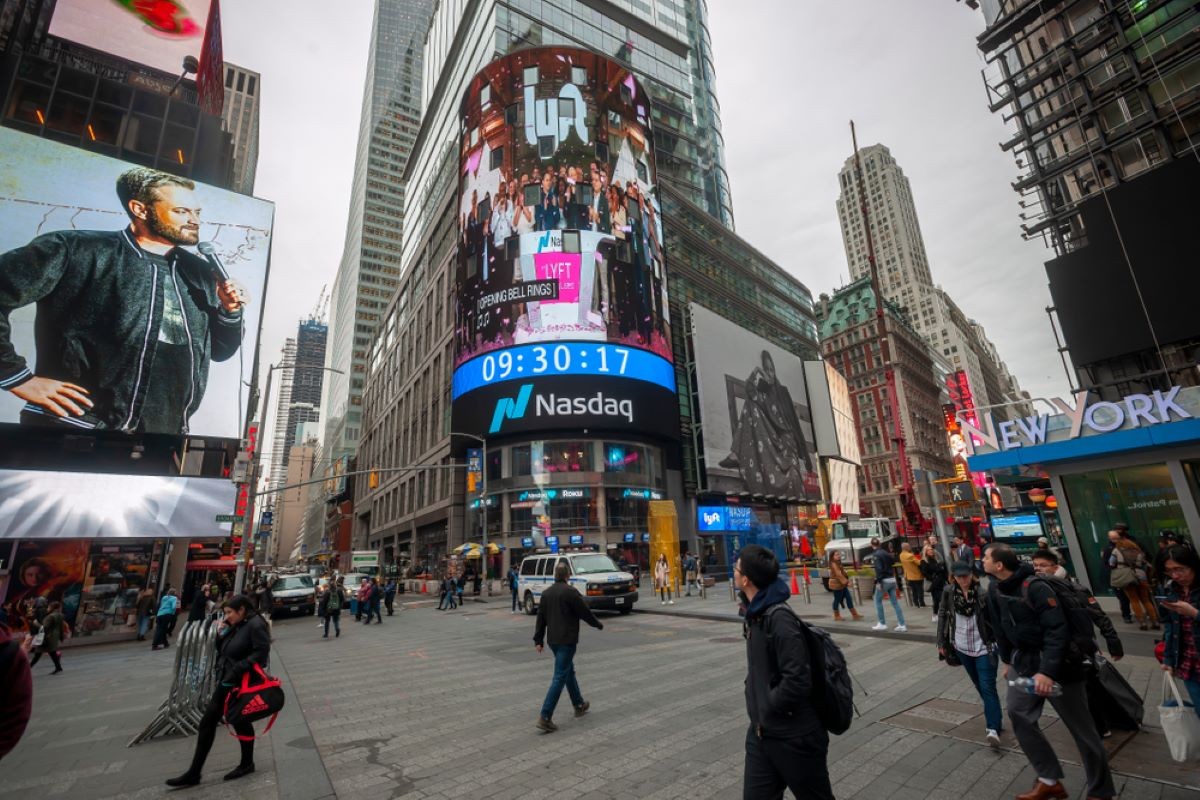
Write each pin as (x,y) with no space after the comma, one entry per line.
(593,575)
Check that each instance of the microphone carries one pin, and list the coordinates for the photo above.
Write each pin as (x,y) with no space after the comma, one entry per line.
(210,255)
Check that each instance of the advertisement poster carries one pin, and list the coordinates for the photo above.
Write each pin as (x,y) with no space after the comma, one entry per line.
(157,33)
(63,505)
(130,299)
(53,570)
(757,429)
(116,573)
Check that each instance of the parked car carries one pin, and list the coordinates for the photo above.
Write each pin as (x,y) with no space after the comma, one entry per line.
(294,593)
(593,575)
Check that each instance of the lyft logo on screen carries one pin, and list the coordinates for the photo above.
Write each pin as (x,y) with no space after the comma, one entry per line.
(554,118)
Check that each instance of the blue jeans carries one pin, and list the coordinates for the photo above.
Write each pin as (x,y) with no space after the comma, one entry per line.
(1193,689)
(144,625)
(336,616)
(564,675)
(841,597)
(893,595)
(982,671)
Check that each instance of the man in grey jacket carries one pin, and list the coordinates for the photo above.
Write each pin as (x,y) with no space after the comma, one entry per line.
(127,321)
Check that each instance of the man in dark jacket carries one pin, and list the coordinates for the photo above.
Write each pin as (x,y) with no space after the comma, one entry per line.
(196,612)
(787,744)
(1035,642)
(16,692)
(886,587)
(127,321)
(559,612)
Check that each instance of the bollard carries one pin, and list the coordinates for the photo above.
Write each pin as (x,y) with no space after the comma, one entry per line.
(193,685)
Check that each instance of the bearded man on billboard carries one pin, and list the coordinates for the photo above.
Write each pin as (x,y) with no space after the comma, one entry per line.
(127,321)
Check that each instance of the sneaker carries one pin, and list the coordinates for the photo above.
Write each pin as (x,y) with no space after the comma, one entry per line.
(901,629)
(993,739)
(670,602)
(544,724)
(582,709)
(934,618)
(664,602)
(879,627)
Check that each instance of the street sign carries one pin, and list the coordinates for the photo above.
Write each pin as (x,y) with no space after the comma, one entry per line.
(267,518)
(231,517)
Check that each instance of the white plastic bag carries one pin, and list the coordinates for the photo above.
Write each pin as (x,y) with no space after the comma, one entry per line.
(1180,723)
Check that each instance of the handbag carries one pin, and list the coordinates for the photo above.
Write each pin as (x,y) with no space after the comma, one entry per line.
(39,637)
(1180,723)
(251,702)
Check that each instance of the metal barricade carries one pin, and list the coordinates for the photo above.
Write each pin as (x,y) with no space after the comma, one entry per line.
(194,684)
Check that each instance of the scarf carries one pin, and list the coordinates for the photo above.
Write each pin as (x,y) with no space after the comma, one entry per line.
(969,603)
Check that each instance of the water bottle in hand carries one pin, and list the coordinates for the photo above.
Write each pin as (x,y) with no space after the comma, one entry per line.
(1028,686)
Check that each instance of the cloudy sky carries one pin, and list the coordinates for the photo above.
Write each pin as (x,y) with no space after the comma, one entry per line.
(790,76)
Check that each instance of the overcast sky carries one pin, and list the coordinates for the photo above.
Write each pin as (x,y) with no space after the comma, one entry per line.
(790,75)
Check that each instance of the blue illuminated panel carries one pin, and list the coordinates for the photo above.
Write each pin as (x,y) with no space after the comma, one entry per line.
(562,358)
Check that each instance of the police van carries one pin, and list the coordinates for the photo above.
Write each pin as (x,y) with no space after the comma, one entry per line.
(593,575)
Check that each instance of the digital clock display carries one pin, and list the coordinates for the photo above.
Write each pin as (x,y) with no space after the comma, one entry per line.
(562,358)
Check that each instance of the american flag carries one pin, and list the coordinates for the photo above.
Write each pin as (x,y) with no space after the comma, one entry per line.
(210,79)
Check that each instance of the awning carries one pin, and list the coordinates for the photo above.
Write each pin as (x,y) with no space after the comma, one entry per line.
(214,564)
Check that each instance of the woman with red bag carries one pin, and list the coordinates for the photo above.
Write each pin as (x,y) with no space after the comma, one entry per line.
(243,641)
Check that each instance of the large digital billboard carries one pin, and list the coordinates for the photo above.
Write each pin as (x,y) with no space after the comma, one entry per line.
(157,33)
(754,413)
(37,504)
(561,316)
(130,299)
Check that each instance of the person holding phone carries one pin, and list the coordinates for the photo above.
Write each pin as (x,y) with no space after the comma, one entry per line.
(1181,636)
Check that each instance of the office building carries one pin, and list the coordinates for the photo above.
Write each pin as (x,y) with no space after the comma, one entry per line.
(370,266)
(615,471)
(240,117)
(905,277)
(1105,114)
(849,341)
(277,456)
(300,376)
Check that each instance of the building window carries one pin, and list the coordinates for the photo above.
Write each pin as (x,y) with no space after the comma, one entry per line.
(251,85)
(241,82)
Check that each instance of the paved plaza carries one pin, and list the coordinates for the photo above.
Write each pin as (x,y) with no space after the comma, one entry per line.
(442,705)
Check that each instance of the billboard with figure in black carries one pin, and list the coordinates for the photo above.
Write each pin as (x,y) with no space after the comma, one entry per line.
(561,316)
(754,413)
(130,299)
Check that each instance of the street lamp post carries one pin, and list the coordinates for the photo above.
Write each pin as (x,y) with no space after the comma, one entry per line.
(239,580)
(482,504)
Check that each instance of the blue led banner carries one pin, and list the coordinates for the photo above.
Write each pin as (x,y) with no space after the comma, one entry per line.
(594,359)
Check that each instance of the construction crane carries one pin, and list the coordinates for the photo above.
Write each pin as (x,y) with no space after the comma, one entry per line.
(914,520)
(322,306)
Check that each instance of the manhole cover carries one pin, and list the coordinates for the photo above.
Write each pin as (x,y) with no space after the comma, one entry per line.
(727,639)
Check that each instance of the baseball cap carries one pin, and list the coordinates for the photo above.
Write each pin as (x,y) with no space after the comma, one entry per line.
(960,568)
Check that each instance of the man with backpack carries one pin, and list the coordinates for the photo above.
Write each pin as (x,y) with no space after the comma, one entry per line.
(1045,637)
(787,744)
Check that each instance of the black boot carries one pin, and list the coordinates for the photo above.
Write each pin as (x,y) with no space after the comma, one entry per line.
(186,779)
(241,770)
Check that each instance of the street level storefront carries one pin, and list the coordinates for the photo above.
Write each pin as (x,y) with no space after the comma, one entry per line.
(1135,461)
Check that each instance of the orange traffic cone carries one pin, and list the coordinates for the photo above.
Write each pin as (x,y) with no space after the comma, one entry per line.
(795,585)
(424,587)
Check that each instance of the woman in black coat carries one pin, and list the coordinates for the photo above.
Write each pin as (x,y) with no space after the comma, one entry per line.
(243,640)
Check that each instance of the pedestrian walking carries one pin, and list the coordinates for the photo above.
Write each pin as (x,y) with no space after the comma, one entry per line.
(558,618)
(243,641)
(389,596)
(1181,651)
(933,569)
(374,599)
(1122,598)
(662,579)
(459,585)
(54,631)
(1036,643)
(511,579)
(167,608)
(786,744)
(839,583)
(962,551)
(701,586)
(145,612)
(264,600)
(885,587)
(965,638)
(913,575)
(449,592)
(362,598)
(335,598)
(1131,574)
(199,603)
(689,573)
(16,691)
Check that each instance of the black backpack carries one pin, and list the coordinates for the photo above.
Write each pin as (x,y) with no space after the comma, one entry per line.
(832,692)
(1074,601)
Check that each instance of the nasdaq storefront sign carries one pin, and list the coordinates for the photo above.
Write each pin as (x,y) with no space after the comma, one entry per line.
(561,316)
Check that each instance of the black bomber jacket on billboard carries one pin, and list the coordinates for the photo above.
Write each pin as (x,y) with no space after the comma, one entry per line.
(100,304)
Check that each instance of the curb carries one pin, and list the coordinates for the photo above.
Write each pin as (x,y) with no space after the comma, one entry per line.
(925,638)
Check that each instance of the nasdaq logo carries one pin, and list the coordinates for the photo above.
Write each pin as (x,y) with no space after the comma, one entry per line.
(510,407)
